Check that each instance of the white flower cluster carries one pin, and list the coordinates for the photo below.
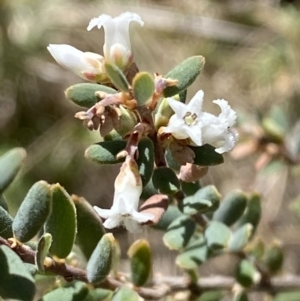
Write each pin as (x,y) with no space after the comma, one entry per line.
(124,211)
(117,48)
(189,121)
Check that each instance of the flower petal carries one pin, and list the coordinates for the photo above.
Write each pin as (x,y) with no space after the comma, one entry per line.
(66,55)
(99,21)
(179,108)
(104,213)
(132,226)
(230,138)
(195,134)
(195,104)
(128,17)
(113,222)
(227,115)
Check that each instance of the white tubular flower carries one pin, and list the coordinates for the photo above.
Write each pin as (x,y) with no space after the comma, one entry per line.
(200,127)
(217,130)
(124,211)
(186,122)
(117,48)
(87,65)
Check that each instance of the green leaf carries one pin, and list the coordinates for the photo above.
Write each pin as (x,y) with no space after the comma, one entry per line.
(117,77)
(89,226)
(217,235)
(148,191)
(169,216)
(100,263)
(15,280)
(211,296)
(143,87)
(163,113)
(62,222)
(205,155)
(205,199)
(288,296)
(240,238)
(105,152)
(240,296)
(125,293)
(140,261)
(246,274)
(31,268)
(186,73)
(10,164)
(179,233)
(190,188)
(5,224)
(182,96)
(77,291)
(42,251)
(274,130)
(99,294)
(84,94)
(172,163)
(194,254)
(252,214)
(231,208)
(274,257)
(145,160)
(33,212)
(165,180)
(3,203)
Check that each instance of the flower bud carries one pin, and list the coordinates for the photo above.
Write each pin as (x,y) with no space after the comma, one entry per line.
(87,65)
(117,48)
(124,211)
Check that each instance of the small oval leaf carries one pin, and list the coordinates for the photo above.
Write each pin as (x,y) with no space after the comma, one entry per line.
(140,261)
(6,222)
(179,232)
(217,235)
(169,216)
(145,160)
(77,291)
(99,294)
(10,164)
(84,94)
(100,263)
(16,281)
(143,87)
(247,274)
(117,77)
(61,224)
(42,250)
(105,152)
(252,214)
(205,155)
(190,188)
(273,257)
(125,293)
(165,180)
(89,226)
(186,73)
(33,212)
(231,208)
(240,238)
(204,200)
(194,254)
(3,203)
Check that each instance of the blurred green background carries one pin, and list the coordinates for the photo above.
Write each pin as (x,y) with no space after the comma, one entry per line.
(252,51)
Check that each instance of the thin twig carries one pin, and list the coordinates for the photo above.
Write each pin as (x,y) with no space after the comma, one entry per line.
(160,286)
